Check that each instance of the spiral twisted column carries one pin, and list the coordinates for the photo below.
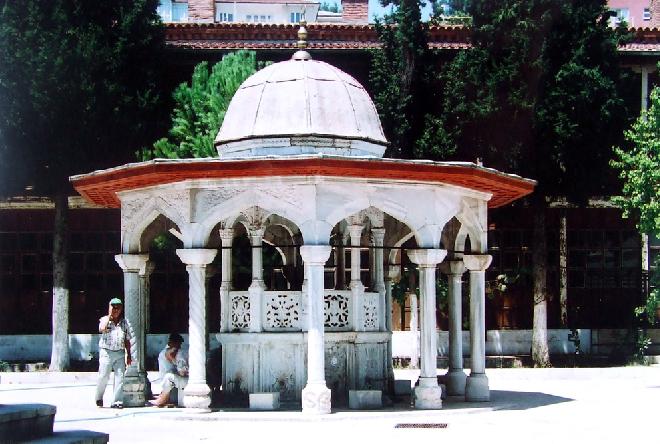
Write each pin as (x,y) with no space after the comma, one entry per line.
(227,237)
(456,377)
(197,393)
(476,385)
(315,395)
(428,394)
(135,381)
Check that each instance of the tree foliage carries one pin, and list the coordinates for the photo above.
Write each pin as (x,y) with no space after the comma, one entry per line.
(77,81)
(404,83)
(639,168)
(200,107)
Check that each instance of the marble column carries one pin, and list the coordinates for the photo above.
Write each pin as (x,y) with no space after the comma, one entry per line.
(455,376)
(227,238)
(315,395)
(197,393)
(356,286)
(257,287)
(428,394)
(393,274)
(135,380)
(414,329)
(476,385)
(378,236)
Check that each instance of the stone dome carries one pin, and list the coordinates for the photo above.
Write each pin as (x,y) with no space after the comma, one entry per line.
(301,106)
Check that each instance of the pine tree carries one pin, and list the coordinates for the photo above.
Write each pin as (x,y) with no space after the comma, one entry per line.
(200,107)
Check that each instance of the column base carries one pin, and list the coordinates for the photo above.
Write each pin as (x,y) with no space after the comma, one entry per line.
(428,398)
(455,380)
(197,396)
(476,388)
(316,399)
(135,388)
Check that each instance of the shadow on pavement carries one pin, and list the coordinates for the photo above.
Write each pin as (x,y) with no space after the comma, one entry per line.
(509,400)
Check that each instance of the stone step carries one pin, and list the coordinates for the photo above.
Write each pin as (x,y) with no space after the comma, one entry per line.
(74,437)
(22,422)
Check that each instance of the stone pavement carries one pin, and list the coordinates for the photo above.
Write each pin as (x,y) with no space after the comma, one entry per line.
(609,405)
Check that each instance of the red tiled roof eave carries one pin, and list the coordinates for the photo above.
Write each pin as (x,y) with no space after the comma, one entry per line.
(102,187)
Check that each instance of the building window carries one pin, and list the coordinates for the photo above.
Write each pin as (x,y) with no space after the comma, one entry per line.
(173,11)
(647,14)
(224,17)
(296,17)
(619,15)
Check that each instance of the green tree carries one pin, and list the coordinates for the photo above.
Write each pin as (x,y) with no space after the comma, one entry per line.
(200,107)
(404,84)
(539,95)
(639,168)
(76,87)
(330,7)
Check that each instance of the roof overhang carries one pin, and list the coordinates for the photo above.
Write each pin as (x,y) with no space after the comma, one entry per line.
(102,187)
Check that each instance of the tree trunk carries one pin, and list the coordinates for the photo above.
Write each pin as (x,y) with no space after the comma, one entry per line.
(540,354)
(59,358)
(563,272)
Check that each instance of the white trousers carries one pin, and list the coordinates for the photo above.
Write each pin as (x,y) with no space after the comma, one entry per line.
(171,380)
(109,361)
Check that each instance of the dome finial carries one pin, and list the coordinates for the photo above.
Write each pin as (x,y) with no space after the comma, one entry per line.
(301,54)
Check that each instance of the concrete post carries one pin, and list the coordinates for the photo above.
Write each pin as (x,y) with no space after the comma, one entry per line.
(315,395)
(428,393)
(476,385)
(197,393)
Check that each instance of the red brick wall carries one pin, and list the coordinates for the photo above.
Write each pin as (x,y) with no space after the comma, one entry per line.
(355,11)
(655,13)
(201,10)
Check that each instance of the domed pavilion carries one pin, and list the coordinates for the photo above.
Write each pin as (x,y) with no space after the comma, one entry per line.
(300,169)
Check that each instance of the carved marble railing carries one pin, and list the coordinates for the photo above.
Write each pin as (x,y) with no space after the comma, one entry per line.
(283,311)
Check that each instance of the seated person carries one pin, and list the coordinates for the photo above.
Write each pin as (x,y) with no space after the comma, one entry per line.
(172,369)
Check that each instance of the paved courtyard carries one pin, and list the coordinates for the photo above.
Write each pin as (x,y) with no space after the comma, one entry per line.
(611,405)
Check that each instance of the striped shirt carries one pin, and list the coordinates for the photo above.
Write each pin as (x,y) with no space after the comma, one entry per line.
(113,337)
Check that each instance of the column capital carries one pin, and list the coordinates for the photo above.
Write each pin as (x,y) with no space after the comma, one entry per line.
(427,258)
(477,262)
(452,267)
(136,263)
(355,231)
(378,236)
(256,235)
(393,272)
(196,256)
(315,254)
(226,234)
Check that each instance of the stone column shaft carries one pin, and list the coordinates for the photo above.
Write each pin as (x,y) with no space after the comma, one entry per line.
(476,387)
(428,394)
(378,235)
(455,376)
(257,286)
(135,380)
(356,286)
(197,392)
(227,237)
(316,395)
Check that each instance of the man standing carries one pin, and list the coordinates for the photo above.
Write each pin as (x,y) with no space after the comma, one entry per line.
(172,369)
(114,352)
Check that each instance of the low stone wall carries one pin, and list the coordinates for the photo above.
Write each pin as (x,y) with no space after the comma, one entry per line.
(519,342)
(82,347)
